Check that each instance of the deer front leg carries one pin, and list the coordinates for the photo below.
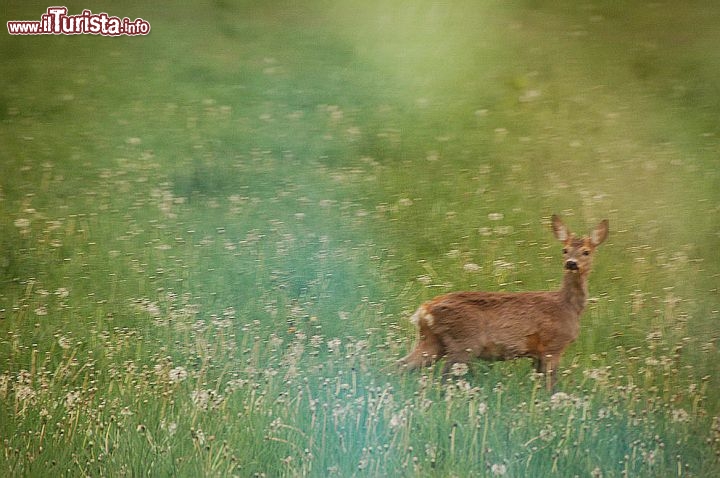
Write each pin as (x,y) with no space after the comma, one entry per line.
(548,365)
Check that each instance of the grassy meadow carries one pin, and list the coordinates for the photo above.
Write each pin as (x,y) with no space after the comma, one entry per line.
(213,235)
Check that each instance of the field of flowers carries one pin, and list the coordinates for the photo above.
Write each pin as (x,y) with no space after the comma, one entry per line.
(212,238)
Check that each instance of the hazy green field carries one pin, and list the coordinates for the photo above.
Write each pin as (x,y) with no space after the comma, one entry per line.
(212,237)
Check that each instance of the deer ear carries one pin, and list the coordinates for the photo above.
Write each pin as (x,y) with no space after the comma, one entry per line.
(600,233)
(559,229)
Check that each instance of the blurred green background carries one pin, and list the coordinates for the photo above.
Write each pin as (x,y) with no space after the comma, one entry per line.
(317,169)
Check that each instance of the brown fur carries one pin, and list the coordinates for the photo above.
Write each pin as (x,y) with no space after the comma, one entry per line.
(461,326)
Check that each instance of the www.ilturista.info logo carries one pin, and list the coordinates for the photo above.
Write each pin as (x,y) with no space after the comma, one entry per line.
(57,22)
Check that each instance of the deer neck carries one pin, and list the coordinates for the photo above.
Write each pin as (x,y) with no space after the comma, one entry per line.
(574,290)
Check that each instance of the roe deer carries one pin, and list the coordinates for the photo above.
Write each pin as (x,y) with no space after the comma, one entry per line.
(505,325)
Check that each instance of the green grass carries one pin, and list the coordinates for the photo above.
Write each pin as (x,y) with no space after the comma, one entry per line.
(212,237)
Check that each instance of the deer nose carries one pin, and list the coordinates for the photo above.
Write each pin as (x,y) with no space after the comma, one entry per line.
(571,265)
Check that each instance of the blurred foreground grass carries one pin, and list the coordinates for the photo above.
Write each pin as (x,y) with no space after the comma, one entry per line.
(212,236)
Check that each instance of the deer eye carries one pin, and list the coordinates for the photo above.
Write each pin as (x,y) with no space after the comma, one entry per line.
(586,253)
(565,251)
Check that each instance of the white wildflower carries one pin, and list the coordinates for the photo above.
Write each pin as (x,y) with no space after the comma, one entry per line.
(275,425)
(599,374)
(177,374)
(22,223)
(399,418)
(4,384)
(503,230)
(562,399)
(201,398)
(654,336)
(24,393)
(170,427)
(71,399)
(206,399)
(198,435)
(64,342)
(459,369)
(680,416)
(424,279)
(334,345)
(547,433)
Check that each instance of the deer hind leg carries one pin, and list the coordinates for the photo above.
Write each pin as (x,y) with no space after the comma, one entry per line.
(428,349)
